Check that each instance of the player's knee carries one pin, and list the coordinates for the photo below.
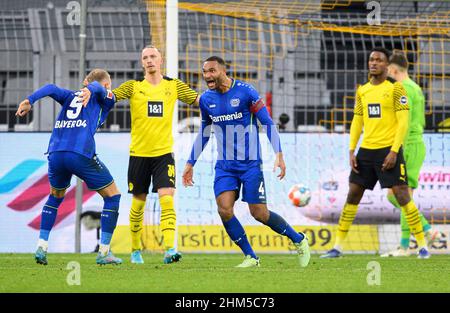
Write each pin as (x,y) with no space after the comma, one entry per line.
(402,200)
(115,190)
(353,198)
(57,193)
(355,194)
(259,216)
(166,192)
(225,213)
(402,196)
(140,196)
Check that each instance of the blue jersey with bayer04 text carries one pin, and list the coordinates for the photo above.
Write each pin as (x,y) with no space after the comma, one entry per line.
(231,116)
(76,125)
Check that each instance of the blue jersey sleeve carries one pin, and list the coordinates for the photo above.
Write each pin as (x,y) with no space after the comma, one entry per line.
(104,96)
(253,98)
(202,137)
(271,129)
(258,108)
(50,90)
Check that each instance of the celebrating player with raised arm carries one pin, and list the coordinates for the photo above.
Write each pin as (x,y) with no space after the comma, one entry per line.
(71,151)
(229,107)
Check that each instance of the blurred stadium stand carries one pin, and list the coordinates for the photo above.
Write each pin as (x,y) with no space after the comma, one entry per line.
(38,47)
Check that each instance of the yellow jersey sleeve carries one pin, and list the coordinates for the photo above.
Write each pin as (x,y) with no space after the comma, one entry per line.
(185,93)
(358,110)
(357,122)
(124,91)
(400,98)
(402,129)
(355,130)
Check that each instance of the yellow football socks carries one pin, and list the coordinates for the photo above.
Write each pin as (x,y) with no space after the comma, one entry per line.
(345,221)
(136,223)
(415,225)
(168,221)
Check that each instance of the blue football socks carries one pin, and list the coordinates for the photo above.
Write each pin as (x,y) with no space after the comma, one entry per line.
(109,218)
(237,234)
(48,216)
(279,225)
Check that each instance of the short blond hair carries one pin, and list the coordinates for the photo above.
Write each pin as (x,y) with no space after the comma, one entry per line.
(152,47)
(97,74)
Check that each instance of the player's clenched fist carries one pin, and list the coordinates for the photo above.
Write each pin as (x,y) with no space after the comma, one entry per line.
(24,108)
(85,96)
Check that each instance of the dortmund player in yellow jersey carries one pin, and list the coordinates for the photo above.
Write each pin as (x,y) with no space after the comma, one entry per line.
(152,102)
(382,110)
(414,151)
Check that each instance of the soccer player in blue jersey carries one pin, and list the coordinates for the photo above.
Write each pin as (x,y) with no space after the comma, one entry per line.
(229,108)
(71,151)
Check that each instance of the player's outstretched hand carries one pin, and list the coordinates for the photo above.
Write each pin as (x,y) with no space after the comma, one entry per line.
(84,96)
(24,108)
(188,174)
(389,161)
(279,162)
(353,162)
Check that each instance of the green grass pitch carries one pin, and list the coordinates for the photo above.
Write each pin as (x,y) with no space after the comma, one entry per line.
(206,273)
